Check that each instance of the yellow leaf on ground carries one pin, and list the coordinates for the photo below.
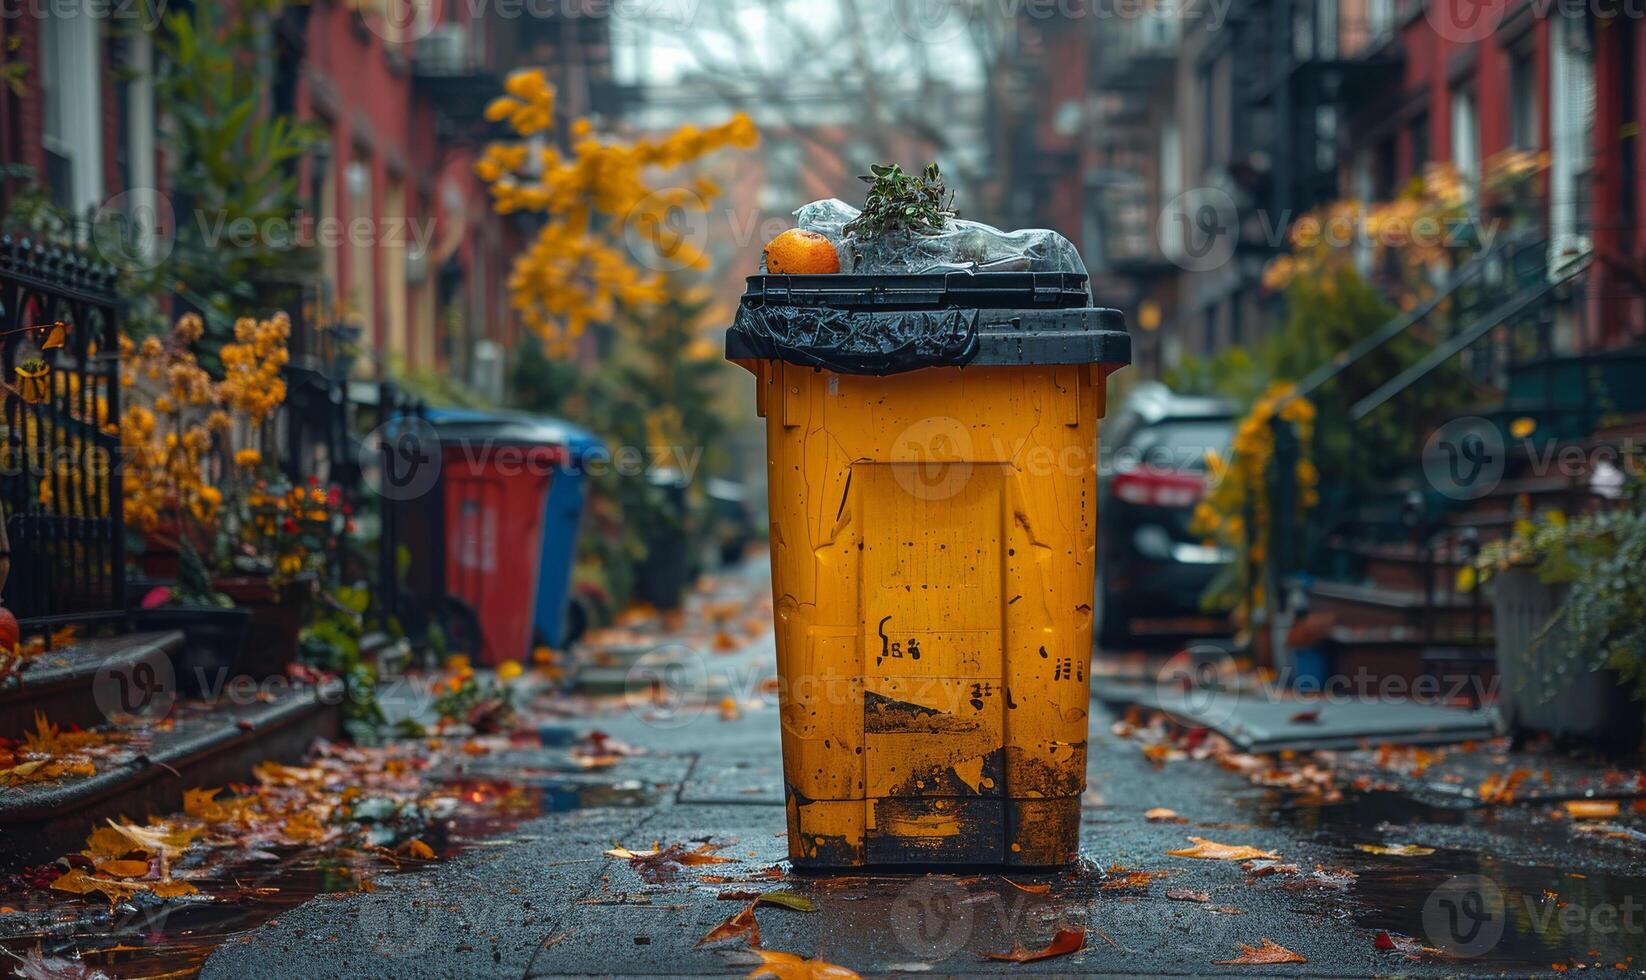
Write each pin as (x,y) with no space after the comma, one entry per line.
(1592,809)
(740,926)
(124,869)
(1065,942)
(119,840)
(202,804)
(276,774)
(1161,814)
(159,838)
(1501,788)
(787,966)
(417,849)
(304,827)
(1269,953)
(704,855)
(1212,851)
(1396,850)
(78,882)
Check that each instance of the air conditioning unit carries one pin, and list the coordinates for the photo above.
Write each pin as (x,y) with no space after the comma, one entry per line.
(444,51)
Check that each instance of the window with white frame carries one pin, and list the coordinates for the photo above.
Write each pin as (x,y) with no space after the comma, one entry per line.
(71,87)
(1571,124)
(1466,136)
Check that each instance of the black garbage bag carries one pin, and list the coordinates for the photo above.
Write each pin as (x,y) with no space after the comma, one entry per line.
(857,341)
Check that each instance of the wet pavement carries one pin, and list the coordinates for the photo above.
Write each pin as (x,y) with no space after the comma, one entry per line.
(1418,862)
(1508,889)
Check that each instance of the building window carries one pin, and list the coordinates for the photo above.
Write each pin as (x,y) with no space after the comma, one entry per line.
(1419,132)
(1523,101)
(1380,18)
(1571,122)
(392,233)
(1465,136)
(357,179)
(1170,183)
(71,85)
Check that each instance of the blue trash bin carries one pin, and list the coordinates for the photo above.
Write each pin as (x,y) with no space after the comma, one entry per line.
(562,507)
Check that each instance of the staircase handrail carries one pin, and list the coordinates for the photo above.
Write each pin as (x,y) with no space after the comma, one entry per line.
(1463,339)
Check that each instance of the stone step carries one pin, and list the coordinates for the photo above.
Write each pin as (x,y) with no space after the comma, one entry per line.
(60,684)
(1371,604)
(198,744)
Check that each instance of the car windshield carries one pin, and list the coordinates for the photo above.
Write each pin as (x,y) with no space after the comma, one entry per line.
(1177,444)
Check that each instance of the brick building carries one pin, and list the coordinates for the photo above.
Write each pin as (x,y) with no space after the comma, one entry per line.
(1256,113)
(398,86)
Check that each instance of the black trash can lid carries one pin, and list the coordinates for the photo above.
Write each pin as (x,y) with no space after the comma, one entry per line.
(881,325)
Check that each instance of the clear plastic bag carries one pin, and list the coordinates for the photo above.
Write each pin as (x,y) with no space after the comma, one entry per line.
(964,246)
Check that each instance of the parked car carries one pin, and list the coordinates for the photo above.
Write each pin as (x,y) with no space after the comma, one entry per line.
(1151,473)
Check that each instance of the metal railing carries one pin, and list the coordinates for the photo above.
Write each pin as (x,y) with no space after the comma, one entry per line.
(60,483)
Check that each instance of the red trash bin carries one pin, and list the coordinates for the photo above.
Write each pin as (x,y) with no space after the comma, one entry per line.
(494,530)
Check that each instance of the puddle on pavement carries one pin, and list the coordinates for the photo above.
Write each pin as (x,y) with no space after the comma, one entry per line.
(174,939)
(1498,913)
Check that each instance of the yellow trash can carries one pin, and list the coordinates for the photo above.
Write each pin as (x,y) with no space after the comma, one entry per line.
(932,447)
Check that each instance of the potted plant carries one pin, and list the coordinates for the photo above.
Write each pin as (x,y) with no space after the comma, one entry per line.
(1569,609)
(273,540)
(214,630)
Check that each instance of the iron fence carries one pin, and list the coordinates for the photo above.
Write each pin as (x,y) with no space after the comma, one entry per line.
(60,483)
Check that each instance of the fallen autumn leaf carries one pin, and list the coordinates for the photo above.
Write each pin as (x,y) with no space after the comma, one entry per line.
(1268,953)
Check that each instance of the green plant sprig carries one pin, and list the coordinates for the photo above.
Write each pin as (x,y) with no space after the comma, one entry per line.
(902,202)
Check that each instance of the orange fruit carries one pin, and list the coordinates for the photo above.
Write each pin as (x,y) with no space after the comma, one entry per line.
(801,253)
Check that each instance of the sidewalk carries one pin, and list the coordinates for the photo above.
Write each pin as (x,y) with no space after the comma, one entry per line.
(546,901)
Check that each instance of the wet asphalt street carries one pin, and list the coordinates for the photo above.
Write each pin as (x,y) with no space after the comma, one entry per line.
(1507,890)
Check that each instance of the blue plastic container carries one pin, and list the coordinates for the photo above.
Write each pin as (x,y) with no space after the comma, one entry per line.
(562,508)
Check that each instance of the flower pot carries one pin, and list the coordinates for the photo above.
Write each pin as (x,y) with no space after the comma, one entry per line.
(1535,693)
(213,640)
(159,558)
(33,382)
(278,613)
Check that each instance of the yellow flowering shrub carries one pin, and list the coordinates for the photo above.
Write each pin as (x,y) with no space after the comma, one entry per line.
(1410,236)
(178,418)
(578,269)
(1239,493)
